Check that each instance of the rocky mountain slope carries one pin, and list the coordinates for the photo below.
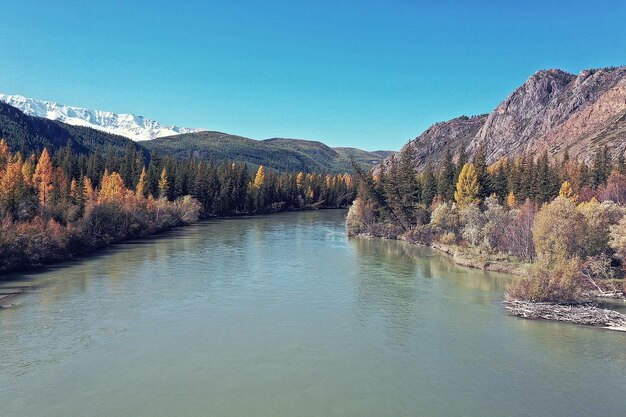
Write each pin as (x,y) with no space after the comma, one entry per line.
(553,110)
(129,125)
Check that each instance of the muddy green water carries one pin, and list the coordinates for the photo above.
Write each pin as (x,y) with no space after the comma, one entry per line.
(285,316)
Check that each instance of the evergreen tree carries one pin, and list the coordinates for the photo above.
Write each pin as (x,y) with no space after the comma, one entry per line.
(480,166)
(429,186)
(445,182)
(409,186)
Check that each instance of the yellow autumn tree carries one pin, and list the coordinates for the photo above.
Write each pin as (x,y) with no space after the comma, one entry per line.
(112,189)
(42,179)
(142,184)
(467,187)
(28,170)
(12,185)
(259,179)
(74,193)
(164,184)
(90,193)
(566,191)
(300,180)
(5,155)
(511,201)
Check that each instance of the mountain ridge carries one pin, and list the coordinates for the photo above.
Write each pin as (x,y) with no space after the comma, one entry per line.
(551,111)
(132,126)
(31,134)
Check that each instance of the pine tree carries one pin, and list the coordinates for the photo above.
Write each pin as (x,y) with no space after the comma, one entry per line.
(445,182)
(462,160)
(408,184)
(468,188)
(429,186)
(601,168)
(480,166)
(621,164)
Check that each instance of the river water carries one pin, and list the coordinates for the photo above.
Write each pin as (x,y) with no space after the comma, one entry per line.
(285,316)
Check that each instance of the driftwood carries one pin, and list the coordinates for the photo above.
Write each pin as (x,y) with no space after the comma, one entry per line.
(579,314)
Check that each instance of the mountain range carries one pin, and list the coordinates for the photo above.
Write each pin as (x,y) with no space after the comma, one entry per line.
(552,111)
(128,125)
(29,125)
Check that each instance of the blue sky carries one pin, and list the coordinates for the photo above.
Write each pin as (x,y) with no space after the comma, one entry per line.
(369,74)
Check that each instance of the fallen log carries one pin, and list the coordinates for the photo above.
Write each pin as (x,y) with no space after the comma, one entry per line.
(588,315)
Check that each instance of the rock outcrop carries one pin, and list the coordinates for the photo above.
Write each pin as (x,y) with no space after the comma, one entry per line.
(552,111)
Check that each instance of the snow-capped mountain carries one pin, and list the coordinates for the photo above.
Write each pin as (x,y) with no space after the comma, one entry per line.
(128,125)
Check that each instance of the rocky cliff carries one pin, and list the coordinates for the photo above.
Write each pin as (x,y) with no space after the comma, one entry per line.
(553,110)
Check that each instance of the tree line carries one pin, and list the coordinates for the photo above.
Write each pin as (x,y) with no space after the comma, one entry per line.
(564,217)
(54,205)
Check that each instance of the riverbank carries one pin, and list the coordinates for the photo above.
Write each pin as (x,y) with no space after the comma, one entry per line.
(464,256)
(584,314)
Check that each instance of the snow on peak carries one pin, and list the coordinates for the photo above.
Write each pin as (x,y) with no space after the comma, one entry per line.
(128,125)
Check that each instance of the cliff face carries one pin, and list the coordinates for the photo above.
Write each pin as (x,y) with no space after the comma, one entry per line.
(553,110)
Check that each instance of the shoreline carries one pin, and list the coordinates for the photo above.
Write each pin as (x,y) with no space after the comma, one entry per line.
(460,257)
(95,251)
(8,293)
(592,316)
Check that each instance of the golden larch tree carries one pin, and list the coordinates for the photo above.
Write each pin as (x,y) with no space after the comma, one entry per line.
(112,189)
(467,188)
(42,179)
(88,190)
(142,184)
(5,155)
(259,179)
(566,191)
(511,201)
(300,180)
(12,185)
(164,184)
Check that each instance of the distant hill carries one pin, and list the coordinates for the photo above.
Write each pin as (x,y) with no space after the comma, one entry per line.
(552,111)
(278,153)
(29,133)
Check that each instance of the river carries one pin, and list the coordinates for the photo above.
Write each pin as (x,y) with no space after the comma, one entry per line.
(284,315)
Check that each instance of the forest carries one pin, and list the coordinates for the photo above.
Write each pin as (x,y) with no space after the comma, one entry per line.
(59,204)
(562,221)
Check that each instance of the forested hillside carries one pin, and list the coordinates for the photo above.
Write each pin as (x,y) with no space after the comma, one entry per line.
(278,153)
